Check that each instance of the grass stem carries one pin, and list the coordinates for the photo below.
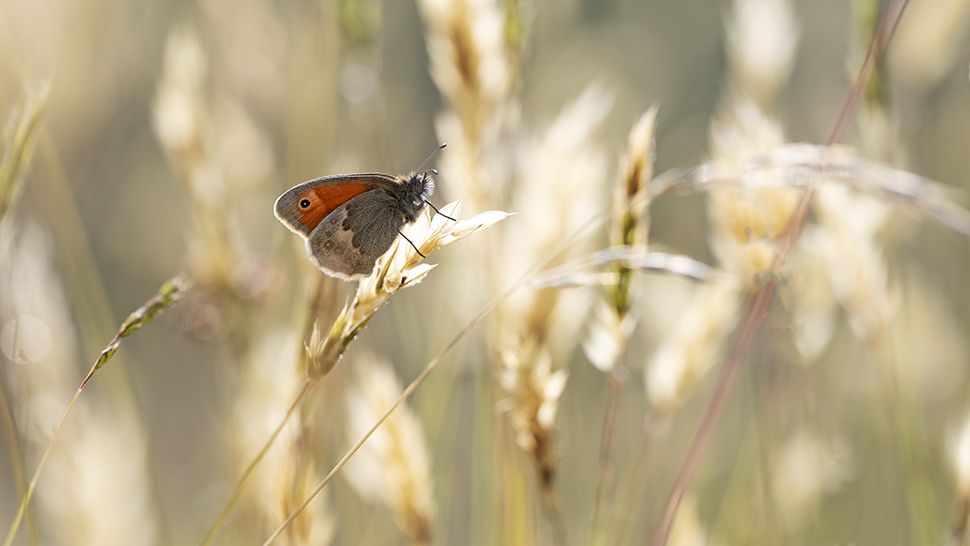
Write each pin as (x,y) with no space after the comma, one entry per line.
(167,295)
(758,309)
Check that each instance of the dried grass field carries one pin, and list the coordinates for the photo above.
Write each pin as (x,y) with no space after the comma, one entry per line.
(699,275)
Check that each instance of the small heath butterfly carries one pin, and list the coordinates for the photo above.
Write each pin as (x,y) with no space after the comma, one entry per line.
(350,220)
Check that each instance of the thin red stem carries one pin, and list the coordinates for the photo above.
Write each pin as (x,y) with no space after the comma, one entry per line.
(757,311)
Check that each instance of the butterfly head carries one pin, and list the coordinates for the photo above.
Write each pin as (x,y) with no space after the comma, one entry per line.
(416,188)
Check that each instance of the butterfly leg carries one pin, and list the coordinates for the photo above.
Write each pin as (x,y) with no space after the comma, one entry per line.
(412,244)
(439,212)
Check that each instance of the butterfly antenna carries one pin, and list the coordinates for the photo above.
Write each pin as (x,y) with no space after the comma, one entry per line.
(412,244)
(430,157)
(438,211)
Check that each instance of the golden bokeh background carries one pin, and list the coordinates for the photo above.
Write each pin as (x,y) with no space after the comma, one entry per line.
(169,128)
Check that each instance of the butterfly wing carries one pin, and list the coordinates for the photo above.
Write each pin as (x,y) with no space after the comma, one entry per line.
(348,242)
(304,206)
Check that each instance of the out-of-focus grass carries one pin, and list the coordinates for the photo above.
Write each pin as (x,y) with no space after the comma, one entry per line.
(18,141)
(157,158)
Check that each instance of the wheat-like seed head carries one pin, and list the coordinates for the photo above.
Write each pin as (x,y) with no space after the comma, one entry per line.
(613,325)
(630,199)
(608,336)
(813,302)
(560,172)
(184,127)
(98,490)
(394,466)
(315,526)
(746,222)
(179,101)
(467,51)
(559,190)
(532,390)
(267,385)
(808,468)
(216,149)
(469,65)
(399,268)
(853,257)
(762,40)
(929,40)
(692,347)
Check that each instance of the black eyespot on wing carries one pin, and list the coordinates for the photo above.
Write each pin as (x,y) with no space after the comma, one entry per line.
(304,203)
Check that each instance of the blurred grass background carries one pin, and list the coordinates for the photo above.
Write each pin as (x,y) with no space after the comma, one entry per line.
(295,90)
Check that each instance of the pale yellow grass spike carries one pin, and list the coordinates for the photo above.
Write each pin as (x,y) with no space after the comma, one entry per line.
(394,467)
(630,228)
(271,375)
(959,451)
(470,66)
(401,267)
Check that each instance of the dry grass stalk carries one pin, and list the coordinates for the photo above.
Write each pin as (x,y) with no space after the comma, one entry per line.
(533,389)
(746,222)
(545,258)
(746,225)
(609,334)
(469,64)
(803,165)
(103,440)
(757,312)
(394,467)
(629,228)
(600,269)
(18,146)
(167,296)
(401,267)
(693,345)
(264,393)
(266,389)
(561,168)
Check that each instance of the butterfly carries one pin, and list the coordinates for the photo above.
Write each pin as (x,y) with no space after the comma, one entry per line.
(350,220)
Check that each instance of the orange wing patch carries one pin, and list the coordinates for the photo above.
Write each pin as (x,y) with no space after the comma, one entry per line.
(324,199)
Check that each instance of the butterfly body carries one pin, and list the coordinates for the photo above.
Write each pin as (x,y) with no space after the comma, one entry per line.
(350,220)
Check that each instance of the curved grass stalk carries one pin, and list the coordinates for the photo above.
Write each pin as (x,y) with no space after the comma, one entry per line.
(220,520)
(757,311)
(14,450)
(597,220)
(754,318)
(402,266)
(166,297)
